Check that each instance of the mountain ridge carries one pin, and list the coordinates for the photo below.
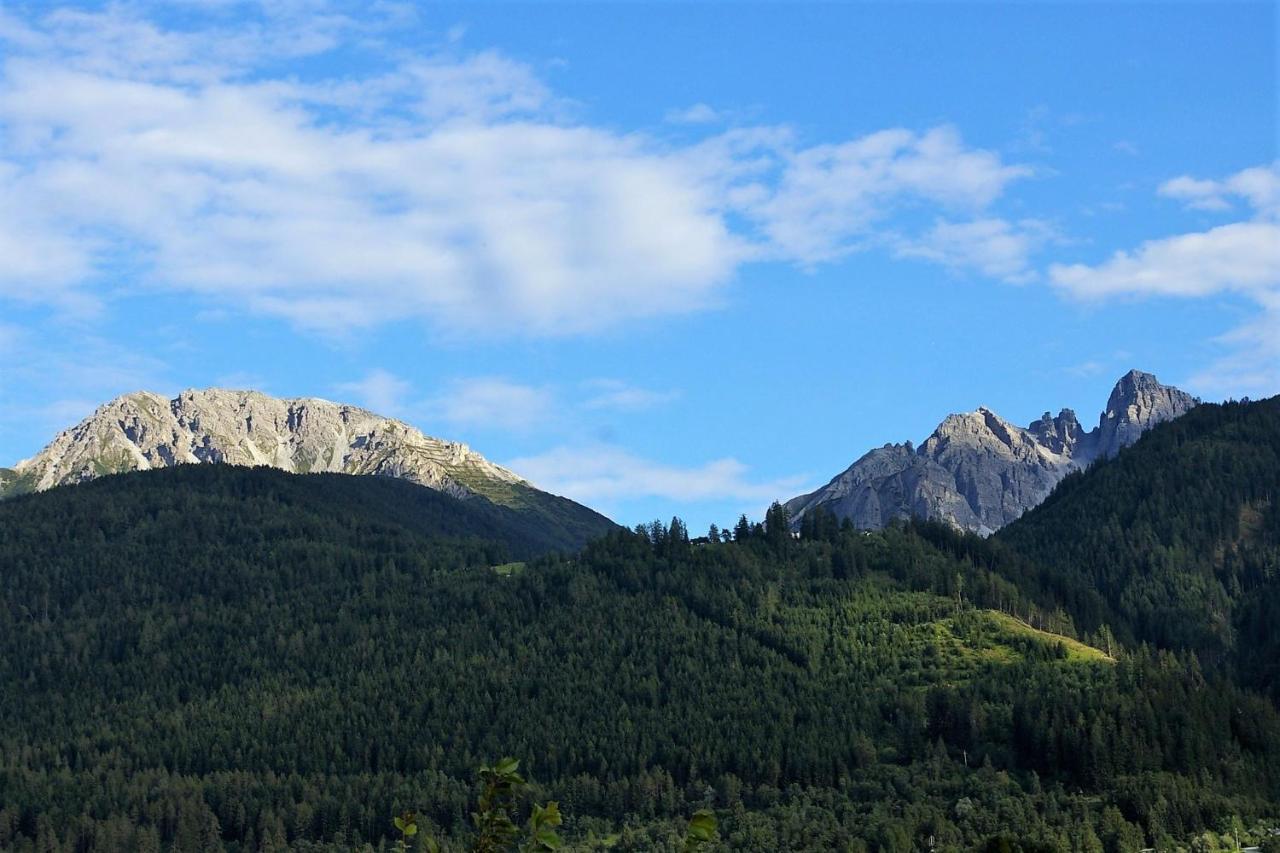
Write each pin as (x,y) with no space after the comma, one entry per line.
(1174,542)
(303,435)
(228,645)
(143,430)
(978,471)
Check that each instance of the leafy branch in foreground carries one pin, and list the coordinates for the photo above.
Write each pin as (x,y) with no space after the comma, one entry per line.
(501,788)
(496,832)
(407,825)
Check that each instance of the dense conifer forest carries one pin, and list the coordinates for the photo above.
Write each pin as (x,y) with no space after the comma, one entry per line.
(1176,542)
(212,658)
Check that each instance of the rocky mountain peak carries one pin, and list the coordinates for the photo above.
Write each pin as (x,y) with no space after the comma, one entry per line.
(144,430)
(980,431)
(1138,402)
(1061,435)
(979,471)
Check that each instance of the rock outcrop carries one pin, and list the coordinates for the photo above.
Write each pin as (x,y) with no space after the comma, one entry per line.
(980,472)
(143,430)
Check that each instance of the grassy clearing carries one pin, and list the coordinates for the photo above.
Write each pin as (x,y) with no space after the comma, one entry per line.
(1076,650)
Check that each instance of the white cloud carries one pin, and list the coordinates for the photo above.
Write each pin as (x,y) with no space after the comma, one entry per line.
(1240,258)
(493,403)
(452,200)
(697,114)
(447,188)
(1259,187)
(1251,365)
(119,41)
(51,378)
(1087,368)
(382,392)
(618,396)
(488,402)
(480,87)
(1201,194)
(606,473)
(993,247)
(830,197)
(41,263)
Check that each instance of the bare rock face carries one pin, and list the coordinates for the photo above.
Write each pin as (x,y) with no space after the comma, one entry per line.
(979,472)
(143,430)
(1062,434)
(1137,403)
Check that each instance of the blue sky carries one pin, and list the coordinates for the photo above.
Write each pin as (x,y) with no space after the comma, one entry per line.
(664,258)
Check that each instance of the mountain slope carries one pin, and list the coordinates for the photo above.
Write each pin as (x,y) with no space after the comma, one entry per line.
(1174,542)
(253,656)
(144,431)
(979,472)
(229,502)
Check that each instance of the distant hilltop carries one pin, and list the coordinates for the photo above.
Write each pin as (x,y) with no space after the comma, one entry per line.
(143,430)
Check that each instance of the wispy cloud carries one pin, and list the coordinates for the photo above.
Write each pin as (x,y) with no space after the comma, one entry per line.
(829,199)
(1092,367)
(492,403)
(616,395)
(608,474)
(1250,365)
(444,188)
(1258,187)
(496,403)
(381,391)
(995,248)
(1243,257)
(451,187)
(697,114)
(1240,258)
(49,380)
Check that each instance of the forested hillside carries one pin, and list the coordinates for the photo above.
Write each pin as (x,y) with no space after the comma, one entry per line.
(220,658)
(219,504)
(1176,542)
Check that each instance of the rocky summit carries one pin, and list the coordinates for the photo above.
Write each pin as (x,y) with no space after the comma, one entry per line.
(143,430)
(979,472)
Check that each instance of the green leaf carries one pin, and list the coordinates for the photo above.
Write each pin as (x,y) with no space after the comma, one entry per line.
(549,840)
(506,766)
(411,830)
(399,822)
(548,815)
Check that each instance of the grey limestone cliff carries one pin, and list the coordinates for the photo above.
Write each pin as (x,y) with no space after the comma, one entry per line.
(143,430)
(980,472)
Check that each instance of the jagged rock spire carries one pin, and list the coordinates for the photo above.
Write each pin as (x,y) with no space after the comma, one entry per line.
(979,472)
